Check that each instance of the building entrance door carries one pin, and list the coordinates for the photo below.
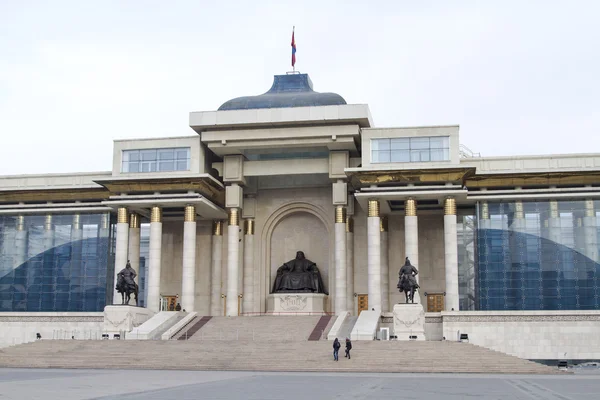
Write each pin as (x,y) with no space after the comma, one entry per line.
(435,302)
(363,302)
(168,303)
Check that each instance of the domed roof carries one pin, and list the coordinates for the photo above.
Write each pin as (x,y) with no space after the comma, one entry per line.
(294,90)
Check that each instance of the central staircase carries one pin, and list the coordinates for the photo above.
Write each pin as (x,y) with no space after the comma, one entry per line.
(264,343)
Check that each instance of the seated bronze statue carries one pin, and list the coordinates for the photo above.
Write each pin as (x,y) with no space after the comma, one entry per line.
(299,276)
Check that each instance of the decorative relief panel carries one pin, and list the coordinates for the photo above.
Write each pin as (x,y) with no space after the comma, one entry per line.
(293,303)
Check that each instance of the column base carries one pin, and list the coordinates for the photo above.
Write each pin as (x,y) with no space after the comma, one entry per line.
(409,322)
(296,303)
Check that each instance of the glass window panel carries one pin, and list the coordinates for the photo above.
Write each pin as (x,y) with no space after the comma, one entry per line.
(166,154)
(437,142)
(437,155)
(134,155)
(380,156)
(400,144)
(183,165)
(183,154)
(400,156)
(419,143)
(166,166)
(148,155)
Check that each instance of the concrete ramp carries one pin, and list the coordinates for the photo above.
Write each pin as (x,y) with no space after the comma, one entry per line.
(155,326)
(366,326)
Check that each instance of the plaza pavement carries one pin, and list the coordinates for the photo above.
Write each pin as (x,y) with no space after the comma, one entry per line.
(48,384)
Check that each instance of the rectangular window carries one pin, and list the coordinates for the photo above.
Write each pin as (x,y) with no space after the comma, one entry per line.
(156,160)
(417,149)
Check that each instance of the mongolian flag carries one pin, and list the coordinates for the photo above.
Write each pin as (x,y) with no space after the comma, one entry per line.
(293,50)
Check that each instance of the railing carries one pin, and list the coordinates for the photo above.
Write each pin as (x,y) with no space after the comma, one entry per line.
(465,152)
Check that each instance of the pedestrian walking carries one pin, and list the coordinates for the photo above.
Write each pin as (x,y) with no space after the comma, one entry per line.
(348,348)
(336,349)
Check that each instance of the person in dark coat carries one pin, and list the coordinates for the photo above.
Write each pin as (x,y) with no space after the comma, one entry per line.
(336,349)
(348,347)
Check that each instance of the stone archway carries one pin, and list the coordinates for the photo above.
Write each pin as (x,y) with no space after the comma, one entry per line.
(292,227)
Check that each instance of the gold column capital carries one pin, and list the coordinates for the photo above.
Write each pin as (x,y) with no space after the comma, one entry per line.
(48,222)
(217,228)
(383,223)
(340,214)
(234,216)
(349,224)
(20,223)
(485,210)
(410,207)
(76,222)
(122,215)
(589,208)
(373,208)
(450,206)
(189,214)
(134,220)
(519,214)
(156,214)
(249,226)
(553,209)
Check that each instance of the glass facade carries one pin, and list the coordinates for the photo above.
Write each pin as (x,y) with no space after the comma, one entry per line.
(539,255)
(55,263)
(156,160)
(466,228)
(414,149)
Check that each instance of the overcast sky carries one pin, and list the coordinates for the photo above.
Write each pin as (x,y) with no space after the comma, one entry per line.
(519,77)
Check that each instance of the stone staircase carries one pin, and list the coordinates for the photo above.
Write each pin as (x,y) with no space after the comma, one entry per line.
(266,355)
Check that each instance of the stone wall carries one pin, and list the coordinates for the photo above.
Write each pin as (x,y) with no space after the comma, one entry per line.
(22,327)
(534,335)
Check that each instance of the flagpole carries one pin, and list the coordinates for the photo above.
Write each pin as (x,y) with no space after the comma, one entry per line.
(294,31)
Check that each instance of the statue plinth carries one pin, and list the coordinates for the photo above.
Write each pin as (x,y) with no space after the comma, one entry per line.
(123,318)
(296,303)
(409,320)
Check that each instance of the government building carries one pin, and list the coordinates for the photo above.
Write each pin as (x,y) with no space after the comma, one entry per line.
(506,247)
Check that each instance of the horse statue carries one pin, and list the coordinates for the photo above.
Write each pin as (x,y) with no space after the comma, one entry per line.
(407,282)
(126,284)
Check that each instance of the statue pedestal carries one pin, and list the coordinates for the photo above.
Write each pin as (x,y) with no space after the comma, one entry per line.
(296,303)
(409,320)
(122,319)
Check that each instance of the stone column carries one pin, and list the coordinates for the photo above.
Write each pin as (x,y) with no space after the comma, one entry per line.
(154,259)
(518,249)
(451,255)
(216,275)
(374,256)
(134,243)
(340,260)
(121,248)
(350,264)
(248,300)
(411,237)
(188,270)
(233,268)
(591,233)
(385,268)
(20,242)
(554,233)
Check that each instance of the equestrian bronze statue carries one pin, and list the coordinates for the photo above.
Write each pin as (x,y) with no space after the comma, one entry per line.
(407,282)
(126,284)
(299,275)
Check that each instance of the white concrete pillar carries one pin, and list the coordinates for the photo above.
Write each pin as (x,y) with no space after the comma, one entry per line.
(188,270)
(76,242)
(233,267)
(154,259)
(554,232)
(134,243)
(411,238)
(20,242)
(451,255)
(121,249)
(340,260)
(374,256)
(350,264)
(591,232)
(248,288)
(216,289)
(385,266)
